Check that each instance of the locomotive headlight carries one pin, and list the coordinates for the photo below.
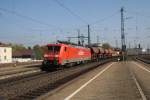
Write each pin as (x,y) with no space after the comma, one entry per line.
(56,55)
(45,55)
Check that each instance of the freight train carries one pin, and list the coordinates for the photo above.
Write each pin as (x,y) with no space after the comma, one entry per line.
(66,55)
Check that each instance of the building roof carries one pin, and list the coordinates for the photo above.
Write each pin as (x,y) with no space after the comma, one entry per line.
(4,45)
(21,53)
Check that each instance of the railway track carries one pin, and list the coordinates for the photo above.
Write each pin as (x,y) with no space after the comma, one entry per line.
(143,60)
(32,87)
(25,64)
(12,73)
(18,75)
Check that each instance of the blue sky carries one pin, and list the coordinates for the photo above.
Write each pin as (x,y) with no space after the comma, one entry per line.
(31,22)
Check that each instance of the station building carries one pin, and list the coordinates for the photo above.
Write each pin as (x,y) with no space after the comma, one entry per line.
(23,56)
(5,54)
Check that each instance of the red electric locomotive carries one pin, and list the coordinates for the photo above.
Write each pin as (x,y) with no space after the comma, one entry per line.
(63,54)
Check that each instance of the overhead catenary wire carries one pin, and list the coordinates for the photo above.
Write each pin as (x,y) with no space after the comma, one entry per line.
(27,17)
(62,5)
(139,14)
(100,20)
(49,25)
(70,11)
(105,18)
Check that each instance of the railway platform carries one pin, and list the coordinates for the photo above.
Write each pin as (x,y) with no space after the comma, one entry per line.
(113,81)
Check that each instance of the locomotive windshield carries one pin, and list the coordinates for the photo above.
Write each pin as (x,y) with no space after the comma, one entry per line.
(54,48)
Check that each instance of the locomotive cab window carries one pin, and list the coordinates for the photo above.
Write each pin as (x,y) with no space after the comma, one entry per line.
(53,48)
(65,49)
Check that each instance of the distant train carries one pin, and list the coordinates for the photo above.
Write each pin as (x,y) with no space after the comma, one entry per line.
(64,54)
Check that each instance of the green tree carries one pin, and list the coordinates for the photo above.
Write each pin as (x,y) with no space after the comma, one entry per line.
(17,47)
(38,52)
(29,48)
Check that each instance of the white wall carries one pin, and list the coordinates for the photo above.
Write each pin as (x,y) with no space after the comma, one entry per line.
(5,54)
(22,59)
